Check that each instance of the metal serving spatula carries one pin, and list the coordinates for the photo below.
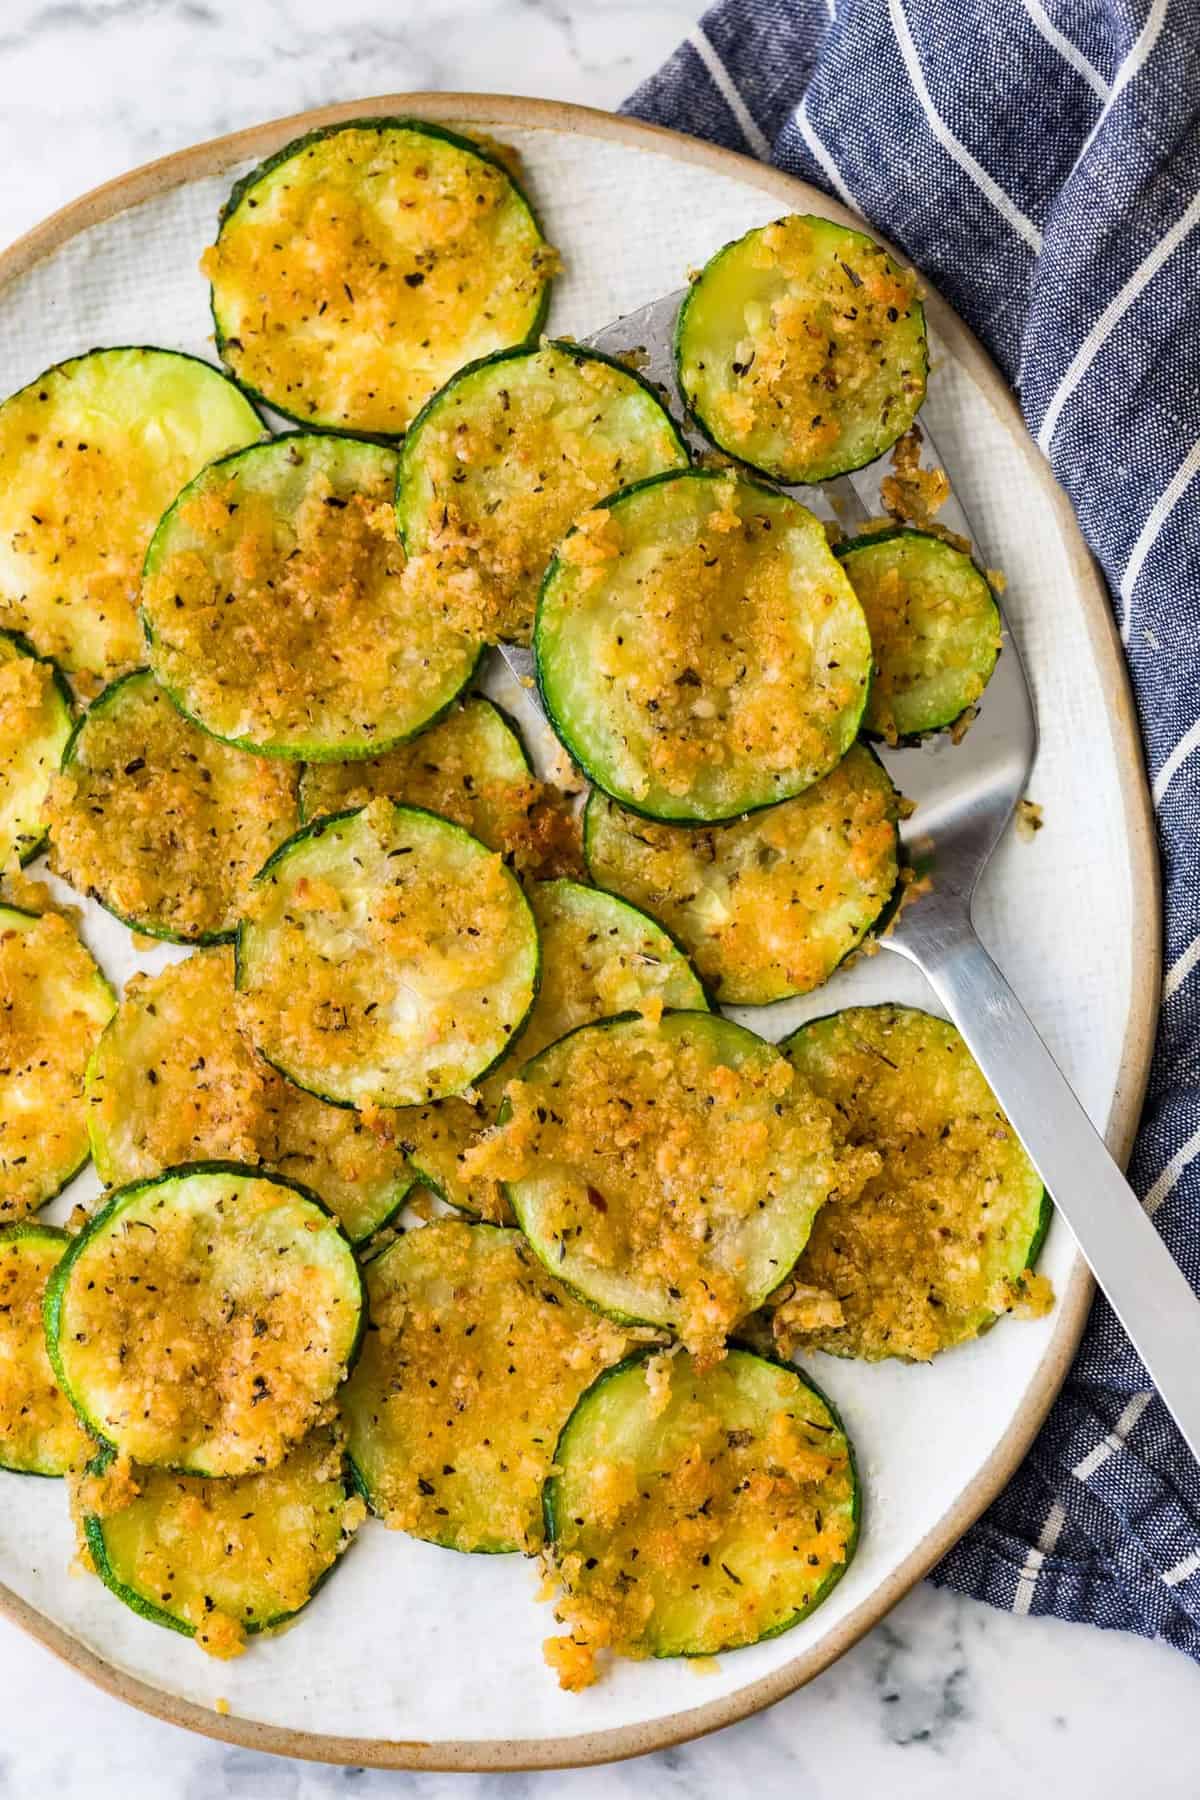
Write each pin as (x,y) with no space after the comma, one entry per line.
(965,795)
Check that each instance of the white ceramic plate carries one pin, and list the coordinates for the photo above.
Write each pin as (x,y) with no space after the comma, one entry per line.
(413,1655)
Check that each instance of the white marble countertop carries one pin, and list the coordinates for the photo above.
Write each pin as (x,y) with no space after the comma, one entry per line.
(945,1699)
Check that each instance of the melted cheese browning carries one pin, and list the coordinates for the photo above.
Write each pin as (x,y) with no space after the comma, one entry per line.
(360,268)
(35,722)
(161,823)
(39,1432)
(936,1243)
(472,1363)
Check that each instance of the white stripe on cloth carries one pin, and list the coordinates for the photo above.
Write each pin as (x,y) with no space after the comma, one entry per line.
(1175,762)
(990,189)
(1083,1471)
(1111,317)
(1138,56)
(1066,49)
(1156,519)
(1185,1154)
(723,82)
(1183,1569)
(1056,1518)
(822,156)
(1180,969)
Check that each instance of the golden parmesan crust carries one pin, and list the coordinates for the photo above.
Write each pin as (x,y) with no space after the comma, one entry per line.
(224,1558)
(353,278)
(206,1324)
(91,455)
(701,648)
(770,905)
(697,1512)
(508,457)
(160,822)
(35,722)
(670,1171)
(54,1003)
(935,1243)
(174,1080)
(472,1363)
(39,1432)
(387,959)
(273,596)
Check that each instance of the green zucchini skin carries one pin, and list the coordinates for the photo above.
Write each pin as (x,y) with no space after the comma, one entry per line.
(22,646)
(244,186)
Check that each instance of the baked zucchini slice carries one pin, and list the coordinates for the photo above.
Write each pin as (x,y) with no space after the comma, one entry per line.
(358,267)
(91,455)
(669,1172)
(800,349)
(699,649)
(202,1319)
(697,1509)
(935,630)
(174,1080)
(54,1003)
(39,1433)
(35,723)
(218,1561)
(942,1238)
(768,906)
(600,956)
(387,957)
(506,456)
(159,822)
(473,1360)
(276,609)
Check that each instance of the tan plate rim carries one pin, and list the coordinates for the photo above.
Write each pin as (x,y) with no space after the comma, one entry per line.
(212,158)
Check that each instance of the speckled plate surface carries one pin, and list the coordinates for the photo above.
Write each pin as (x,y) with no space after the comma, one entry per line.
(417,1657)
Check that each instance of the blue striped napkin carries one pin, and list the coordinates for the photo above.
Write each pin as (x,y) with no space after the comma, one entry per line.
(1039,161)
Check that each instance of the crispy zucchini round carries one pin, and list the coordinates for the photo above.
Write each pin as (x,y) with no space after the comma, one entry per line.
(473,1362)
(770,905)
(669,1172)
(35,723)
(386,957)
(39,1433)
(159,822)
(695,1510)
(800,349)
(175,1080)
(699,649)
(218,1561)
(54,1003)
(91,454)
(202,1320)
(935,630)
(599,956)
(942,1238)
(357,268)
(276,608)
(506,456)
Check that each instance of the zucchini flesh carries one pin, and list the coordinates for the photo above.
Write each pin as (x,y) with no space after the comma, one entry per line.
(54,1003)
(940,1239)
(91,455)
(387,957)
(174,1080)
(800,349)
(768,906)
(474,1360)
(695,1510)
(505,457)
(159,822)
(668,1172)
(218,1561)
(360,266)
(39,1433)
(935,630)
(35,723)
(699,650)
(600,956)
(202,1320)
(277,610)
